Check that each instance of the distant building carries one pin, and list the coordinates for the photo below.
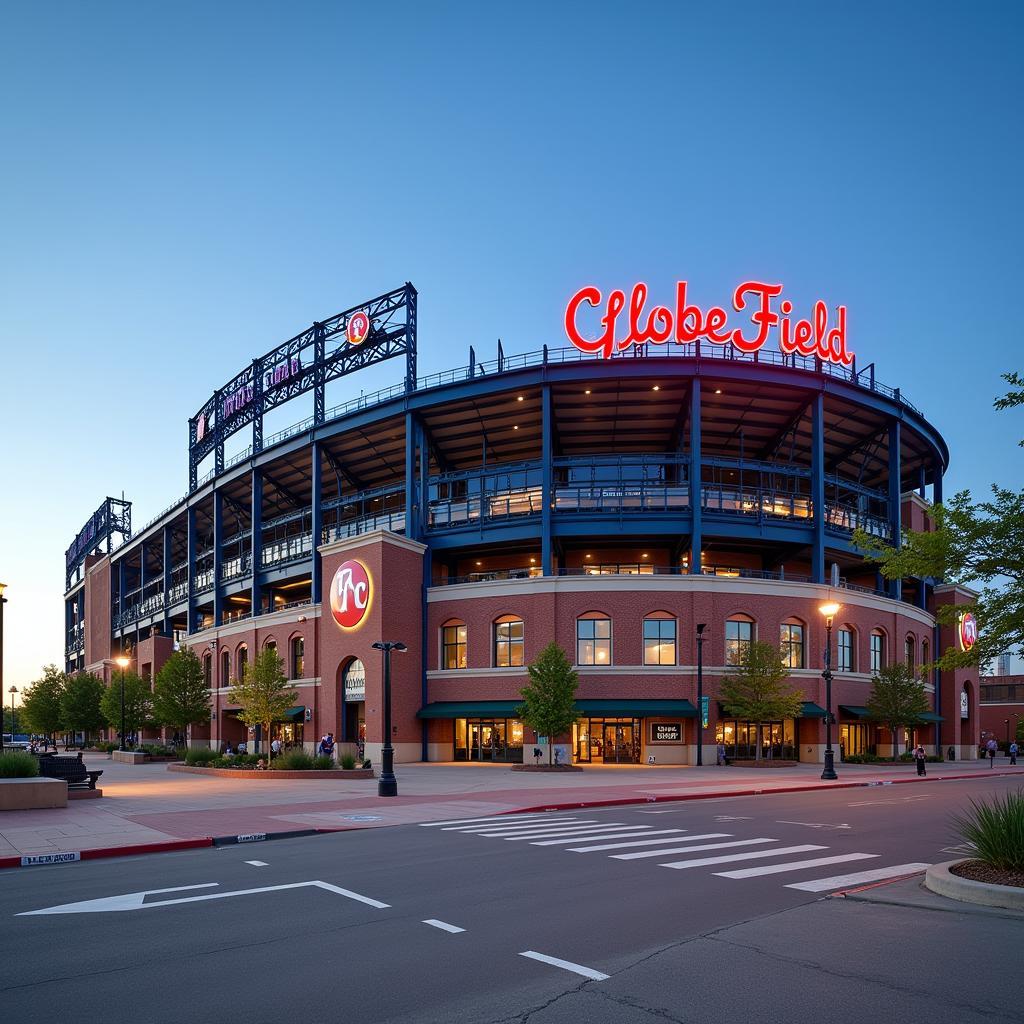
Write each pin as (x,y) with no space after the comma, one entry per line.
(1002,705)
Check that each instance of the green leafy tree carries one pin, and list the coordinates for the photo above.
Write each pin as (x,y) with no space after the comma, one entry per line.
(80,704)
(180,696)
(978,545)
(1020,731)
(755,689)
(549,699)
(40,705)
(263,694)
(138,703)
(897,700)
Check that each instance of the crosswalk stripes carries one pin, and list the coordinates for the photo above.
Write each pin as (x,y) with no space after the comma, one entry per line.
(589,835)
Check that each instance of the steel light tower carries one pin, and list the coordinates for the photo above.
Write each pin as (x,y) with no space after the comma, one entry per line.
(122,663)
(700,693)
(387,785)
(829,611)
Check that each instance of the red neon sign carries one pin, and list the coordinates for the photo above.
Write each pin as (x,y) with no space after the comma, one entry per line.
(351,592)
(358,328)
(968,631)
(685,322)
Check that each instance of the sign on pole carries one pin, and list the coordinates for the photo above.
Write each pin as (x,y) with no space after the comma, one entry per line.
(705,705)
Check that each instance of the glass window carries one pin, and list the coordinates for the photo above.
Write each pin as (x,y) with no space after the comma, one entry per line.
(298,648)
(659,641)
(877,651)
(593,641)
(243,660)
(924,653)
(908,652)
(208,669)
(453,646)
(509,647)
(225,668)
(792,635)
(739,635)
(844,651)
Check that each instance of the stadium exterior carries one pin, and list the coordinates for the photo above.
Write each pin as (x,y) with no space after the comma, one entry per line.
(612,500)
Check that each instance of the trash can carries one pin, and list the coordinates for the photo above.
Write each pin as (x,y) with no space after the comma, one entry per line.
(951,754)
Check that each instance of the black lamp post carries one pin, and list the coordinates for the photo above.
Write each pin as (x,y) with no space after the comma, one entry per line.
(3,601)
(1006,722)
(122,664)
(829,611)
(13,691)
(700,693)
(387,785)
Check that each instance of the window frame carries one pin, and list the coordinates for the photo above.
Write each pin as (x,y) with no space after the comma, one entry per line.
(850,663)
(788,644)
(595,642)
(737,644)
(297,661)
(876,664)
(660,618)
(456,644)
(509,643)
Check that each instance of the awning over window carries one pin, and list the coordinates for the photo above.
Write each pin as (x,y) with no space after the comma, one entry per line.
(854,711)
(931,716)
(295,714)
(591,708)
(812,710)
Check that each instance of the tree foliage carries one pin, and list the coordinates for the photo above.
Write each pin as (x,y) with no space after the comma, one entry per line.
(138,702)
(180,696)
(40,704)
(263,694)
(755,688)
(979,545)
(549,698)
(897,700)
(80,704)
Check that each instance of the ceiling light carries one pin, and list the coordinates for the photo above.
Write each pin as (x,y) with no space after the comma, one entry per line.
(479,563)
(587,392)
(588,556)
(644,555)
(656,387)
(519,399)
(516,427)
(718,391)
(533,561)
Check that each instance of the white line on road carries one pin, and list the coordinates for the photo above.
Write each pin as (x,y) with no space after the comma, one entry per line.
(690,849)
(613,827)
(703,861)
(444,926)
(490,817)
(812,824)
(532,826)
(794,865)
(649,842)
(613,835)
(257,863)
(566,965)
(838,881)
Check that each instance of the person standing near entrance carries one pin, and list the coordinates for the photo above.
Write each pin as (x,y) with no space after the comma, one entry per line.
(721,753)
(919,757)
(1013,752)
(991,747)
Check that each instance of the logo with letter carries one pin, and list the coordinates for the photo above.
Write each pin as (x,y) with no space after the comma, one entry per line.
(968,631)
(351,591)
(357,330)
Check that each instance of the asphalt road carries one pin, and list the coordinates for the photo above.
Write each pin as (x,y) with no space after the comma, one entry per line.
(432,922)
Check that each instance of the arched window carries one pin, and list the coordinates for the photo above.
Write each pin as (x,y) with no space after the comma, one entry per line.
(353,681)
(453,645)
(877,650)
(270,645)
(846,649)
(739,635)
(208,669)
(909,646)
(924,654)
(594,639)
(242,659)
(791,636)
(659,639)
(298,657)
(225,667)
(509,643)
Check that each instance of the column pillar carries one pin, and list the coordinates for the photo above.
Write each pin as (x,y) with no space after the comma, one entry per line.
(895,490)
(818,486)
(218,536)
(190,544)
(696,509)
(255,541)
(937,484)
(410,475)
(168,558)
(547,476)
(317,520)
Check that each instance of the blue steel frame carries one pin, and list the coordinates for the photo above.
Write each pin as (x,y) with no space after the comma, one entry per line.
(113,516)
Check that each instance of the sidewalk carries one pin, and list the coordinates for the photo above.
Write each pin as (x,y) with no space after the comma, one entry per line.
(147,804)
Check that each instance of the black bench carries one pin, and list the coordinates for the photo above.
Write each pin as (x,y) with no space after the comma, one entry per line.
(70,769)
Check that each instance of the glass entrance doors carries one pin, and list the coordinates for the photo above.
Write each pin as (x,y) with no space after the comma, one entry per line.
(481,739)
(607,740)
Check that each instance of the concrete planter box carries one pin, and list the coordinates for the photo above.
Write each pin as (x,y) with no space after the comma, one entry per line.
(139,757)
(32,794)
(775,762)
(941,880)
(256,776)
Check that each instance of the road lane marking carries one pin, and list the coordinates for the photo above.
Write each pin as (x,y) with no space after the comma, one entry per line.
(838,881)
(690,849)
(613,835)
(566,965)
(489,817)
(615,827)
(812,824)
(649,842)
(703,861)
(533,826)
(257,863)
(444,926)
(794,865)
(733,817)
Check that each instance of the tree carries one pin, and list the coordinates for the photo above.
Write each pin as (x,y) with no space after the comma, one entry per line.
(138,703)
(80,704)
(549,699)
(263,694)
(40,704)
(180,696)
(755,690)
(975,544)
(897,700)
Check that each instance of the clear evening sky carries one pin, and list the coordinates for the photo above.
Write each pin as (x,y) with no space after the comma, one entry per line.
(185,185)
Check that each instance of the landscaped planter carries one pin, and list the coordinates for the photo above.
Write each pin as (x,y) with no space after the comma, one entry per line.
(140,757)
(257,775)
(941,880)
(32,794)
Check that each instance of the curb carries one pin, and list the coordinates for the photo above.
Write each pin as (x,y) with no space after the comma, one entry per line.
(942,881)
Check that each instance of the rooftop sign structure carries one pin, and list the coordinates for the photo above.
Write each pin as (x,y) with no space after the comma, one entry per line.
(113,516)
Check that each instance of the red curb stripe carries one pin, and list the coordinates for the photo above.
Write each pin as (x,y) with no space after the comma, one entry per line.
(875,885)
(137,848)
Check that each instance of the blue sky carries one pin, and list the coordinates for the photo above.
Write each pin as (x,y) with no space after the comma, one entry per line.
(185,185)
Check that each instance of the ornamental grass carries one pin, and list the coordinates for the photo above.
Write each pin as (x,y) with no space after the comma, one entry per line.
(995,830)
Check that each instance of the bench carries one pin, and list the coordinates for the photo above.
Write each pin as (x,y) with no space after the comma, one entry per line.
(70,769)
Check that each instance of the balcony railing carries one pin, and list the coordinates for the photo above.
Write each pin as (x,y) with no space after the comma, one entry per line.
(291,549)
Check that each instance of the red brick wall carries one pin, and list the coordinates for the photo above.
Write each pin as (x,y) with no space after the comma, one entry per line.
(97,609)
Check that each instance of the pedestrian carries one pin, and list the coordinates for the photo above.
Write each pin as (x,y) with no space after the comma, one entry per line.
(275,746)
(919,757)
(991,747)
(1013,752)
(721,753)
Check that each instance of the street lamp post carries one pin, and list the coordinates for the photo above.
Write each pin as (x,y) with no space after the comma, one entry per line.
(829,611)
(123,663)
(3,601)
(1006,722)
(13,691)
(700,693)
(387,785)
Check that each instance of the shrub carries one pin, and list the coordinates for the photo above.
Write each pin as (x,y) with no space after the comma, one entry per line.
(17,764)
(347,761)
(200,756)
(323,763)
(294,761)
(996,831)
(863,759)
(107,748)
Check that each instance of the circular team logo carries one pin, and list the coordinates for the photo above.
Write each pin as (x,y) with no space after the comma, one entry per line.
(351,591)
(968,631)
(358,328)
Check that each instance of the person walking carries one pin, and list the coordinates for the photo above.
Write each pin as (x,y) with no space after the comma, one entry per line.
(991,747)
(721,754)
(919,757)
(1013,752)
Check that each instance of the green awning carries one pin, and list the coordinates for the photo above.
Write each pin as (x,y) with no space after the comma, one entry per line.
(812,710)
(854,711)
(931,716)
(594,708)
(294,714)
